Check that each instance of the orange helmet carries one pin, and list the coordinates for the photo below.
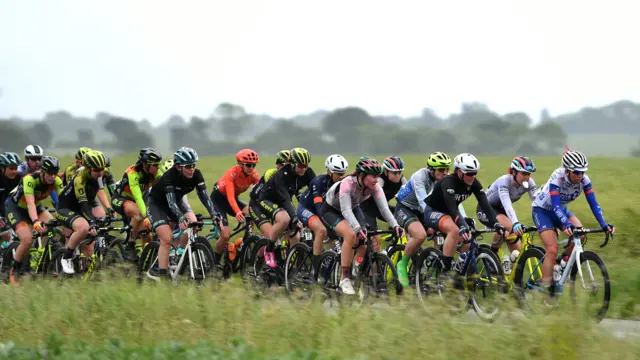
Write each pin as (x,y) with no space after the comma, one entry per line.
(247,156)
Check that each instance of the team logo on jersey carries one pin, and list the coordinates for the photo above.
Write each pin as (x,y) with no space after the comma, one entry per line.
(451,191)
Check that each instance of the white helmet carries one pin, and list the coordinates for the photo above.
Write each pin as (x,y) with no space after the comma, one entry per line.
(336,163)
(574,160)
(33,150)
(466,162)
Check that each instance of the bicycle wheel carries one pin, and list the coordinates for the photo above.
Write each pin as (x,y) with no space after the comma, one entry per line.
(259,275)
(298,274)
(395,254)
(528,275)
(384,279)
(198,266)
(148,259)
(599,307)
(428,264)
(485,283)
(244,256)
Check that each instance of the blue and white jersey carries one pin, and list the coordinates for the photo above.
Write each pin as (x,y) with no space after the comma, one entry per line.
(559,184)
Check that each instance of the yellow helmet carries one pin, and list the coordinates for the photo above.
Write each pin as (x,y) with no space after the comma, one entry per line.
(167,165)
(81,151)
(300,156)
(94,159)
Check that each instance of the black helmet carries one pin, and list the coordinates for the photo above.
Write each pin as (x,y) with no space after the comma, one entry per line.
(50,165)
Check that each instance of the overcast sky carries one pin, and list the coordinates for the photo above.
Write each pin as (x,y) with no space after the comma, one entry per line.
(151,59)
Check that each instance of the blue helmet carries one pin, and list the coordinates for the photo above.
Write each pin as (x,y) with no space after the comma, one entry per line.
(10,159)
(185,156)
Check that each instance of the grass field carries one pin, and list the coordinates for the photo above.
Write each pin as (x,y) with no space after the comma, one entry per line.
(122,320)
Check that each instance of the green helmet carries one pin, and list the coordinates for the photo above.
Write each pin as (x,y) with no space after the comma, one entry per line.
(284,156)
(300,156)
(439,160)
(94,159)
(81,151)
(368,166)
(167,165)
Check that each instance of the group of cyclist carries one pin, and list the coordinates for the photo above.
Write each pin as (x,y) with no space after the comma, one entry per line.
(152,195)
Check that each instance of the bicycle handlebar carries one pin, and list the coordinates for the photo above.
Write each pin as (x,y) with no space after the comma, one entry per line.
(370,234)
(581,231)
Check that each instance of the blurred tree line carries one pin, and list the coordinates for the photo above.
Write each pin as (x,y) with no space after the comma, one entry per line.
(351,130)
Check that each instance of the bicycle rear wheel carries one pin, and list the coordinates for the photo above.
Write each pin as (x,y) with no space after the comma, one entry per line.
(298,274)
(485,285)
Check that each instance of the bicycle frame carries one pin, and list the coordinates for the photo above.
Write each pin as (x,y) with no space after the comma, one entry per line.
(174,270)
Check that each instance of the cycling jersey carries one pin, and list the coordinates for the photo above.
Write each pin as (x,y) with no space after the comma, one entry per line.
(347,194)
(285,183)
(32,185)
(173,185)
(560,191)
(255,192)
(312,198)
(69,172)
(413,193)
(6,185)
(449,193)
(503,193)
(134,184)
(80,193)
(235,182)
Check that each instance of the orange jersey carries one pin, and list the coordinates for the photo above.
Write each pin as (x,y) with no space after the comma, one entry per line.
(241,183)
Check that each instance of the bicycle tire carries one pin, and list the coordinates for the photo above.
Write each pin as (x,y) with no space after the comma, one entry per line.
(590,255)
(519,288)
(298,266)
(147,257)
(201,260)
(389,274)
(244,255)
(497,272)
(427,264)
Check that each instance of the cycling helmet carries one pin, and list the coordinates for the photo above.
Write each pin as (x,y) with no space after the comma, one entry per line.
(10,159)
(284,156)
(574,160)
(439,160)
(33,151)
(393,163)
(336,163)
(50,165)
(300,156)
(149,156)
(94,159)
(466,162)
(167,165)
(369,165)
(185,156)
(81,152)
(524,164)
(247,156)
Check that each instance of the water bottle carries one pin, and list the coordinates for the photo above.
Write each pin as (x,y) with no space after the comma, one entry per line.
(563,262)
(460,263)
(356,266)
(506,264)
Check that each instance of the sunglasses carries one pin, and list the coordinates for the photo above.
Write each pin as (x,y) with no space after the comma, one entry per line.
(35,158)
(471,173)
(443,170)
(301,166)
(250,165)
(190,166)
(97,170)
(578,172)
(154,164)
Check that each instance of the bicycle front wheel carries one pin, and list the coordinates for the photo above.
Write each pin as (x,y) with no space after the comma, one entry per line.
(597,296)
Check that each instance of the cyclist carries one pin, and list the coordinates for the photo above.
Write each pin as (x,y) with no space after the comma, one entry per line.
(310,203)
(78,206)
(410,206)
(276,197)
(32,156)
(225,193)
(259,218)
(505,191)
(550,210)
(24,207)
(391,181)
(165,209)
(71,169)
(342,212)
(128,198)
(441,206)
(9,179)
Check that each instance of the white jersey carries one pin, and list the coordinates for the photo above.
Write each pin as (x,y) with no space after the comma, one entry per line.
(559,184)
(503,193)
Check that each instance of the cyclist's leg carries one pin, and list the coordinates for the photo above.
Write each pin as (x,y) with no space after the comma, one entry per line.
(19,221)
(261,219)
(546,222)
(443,222)
(417,234)
(221,203)
(45,217)
(160,221)
(80,227)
